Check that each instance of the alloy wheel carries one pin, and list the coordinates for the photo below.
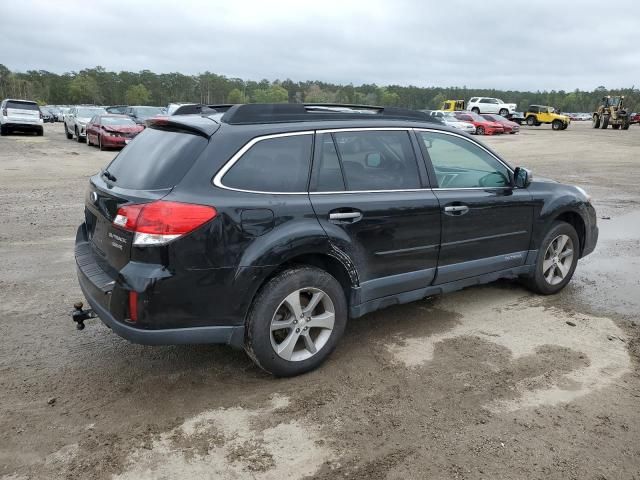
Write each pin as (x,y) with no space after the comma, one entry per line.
(558,259)
(302,324)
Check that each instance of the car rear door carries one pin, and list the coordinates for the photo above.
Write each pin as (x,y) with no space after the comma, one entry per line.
(486,223)
(371,196)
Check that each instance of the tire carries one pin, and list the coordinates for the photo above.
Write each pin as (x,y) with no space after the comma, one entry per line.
(556,125)
(100,143)
(3,130)
(480,130)
(66,132)
(531,120)
(40,132)
(78,137)
(476,110)
(549,278)
(595,123)
(504,112)
(605,122)
(626,125)
(271,304)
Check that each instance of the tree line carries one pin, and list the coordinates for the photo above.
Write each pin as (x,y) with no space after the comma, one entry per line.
(101,87)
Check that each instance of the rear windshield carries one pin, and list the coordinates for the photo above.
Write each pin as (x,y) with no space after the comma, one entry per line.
(156,159)
(22,105)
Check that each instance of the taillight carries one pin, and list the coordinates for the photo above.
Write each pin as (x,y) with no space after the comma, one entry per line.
(159,222)
(4,112)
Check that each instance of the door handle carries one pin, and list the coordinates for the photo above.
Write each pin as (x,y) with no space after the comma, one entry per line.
(347,217)
(456,210)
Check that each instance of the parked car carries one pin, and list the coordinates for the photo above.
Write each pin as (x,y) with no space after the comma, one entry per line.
(20,115)
(634,118)
(450,120)
(221,229)
(491,105)
(117,109)
(76,119)
(62,113)
(47,115)
(55,112)
(482,125)
(536,115)
(141,114)
(517,117)
(111,131)
(508,125)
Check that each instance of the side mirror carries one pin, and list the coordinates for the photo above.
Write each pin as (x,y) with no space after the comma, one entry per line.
(373,160)
(522,177)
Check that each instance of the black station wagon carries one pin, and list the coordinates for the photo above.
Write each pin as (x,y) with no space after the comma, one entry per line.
(268,226)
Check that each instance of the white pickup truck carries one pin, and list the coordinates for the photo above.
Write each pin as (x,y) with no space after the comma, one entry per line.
(76,119)
(491,105)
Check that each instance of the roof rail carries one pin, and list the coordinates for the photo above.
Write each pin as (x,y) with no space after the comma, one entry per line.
(309,112)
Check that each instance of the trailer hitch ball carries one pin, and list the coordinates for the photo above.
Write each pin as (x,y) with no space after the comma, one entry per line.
(79,315)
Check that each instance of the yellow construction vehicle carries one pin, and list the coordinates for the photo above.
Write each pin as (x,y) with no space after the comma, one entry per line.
(452,105)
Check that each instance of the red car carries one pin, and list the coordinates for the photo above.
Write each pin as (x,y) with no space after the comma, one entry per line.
(111,130)
(483,126)
(508,125)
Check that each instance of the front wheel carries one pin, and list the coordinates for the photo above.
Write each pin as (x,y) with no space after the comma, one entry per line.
(480,130)
(476,110)
(295,321)
(556,125)
(557,259)
(605,121)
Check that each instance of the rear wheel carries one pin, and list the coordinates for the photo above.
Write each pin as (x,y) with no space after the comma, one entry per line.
(531,120)
(475,109)
(504,112)
(480,130)
(605,121)
(556,125)
(296,321)
(557,259)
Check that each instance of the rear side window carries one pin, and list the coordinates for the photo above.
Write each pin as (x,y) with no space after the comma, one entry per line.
(22,105)
(156,159)
(377,160)
(273,165)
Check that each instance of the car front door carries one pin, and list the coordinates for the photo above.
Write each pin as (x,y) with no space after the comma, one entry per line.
(371,196)
(486,223)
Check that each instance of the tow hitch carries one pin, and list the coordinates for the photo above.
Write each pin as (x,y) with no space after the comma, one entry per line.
(79,315)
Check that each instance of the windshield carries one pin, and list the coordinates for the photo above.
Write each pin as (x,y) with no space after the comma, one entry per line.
(147,112)
(474,116)
(89,112)
(117,121)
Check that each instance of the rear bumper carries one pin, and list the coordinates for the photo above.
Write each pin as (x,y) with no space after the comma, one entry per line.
(108,294)
(23,126)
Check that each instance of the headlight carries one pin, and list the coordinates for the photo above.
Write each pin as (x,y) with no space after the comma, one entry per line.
(587,197)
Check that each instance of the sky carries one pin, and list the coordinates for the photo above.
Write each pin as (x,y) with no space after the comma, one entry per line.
(513,45)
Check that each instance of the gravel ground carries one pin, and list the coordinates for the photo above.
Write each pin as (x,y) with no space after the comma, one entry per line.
(491,382)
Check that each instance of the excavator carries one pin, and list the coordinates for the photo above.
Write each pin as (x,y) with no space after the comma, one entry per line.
(452,105)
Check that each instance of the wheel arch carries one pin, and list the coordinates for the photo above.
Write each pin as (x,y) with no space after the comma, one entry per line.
(574,219)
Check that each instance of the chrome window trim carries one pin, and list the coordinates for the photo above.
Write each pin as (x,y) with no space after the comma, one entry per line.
(217,180)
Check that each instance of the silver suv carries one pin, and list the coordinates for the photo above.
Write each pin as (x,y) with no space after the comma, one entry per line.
(76,119)
(22,115)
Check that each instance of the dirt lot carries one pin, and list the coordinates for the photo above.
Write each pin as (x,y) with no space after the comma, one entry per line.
(491,382)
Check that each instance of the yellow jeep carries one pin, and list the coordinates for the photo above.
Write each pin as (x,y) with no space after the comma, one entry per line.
(539,114)
(452,105)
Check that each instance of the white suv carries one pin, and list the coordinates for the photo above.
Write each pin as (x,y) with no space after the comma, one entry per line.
(23,115)
(491,105)
(76,119)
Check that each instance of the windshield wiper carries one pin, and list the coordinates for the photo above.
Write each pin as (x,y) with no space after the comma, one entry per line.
(108,176)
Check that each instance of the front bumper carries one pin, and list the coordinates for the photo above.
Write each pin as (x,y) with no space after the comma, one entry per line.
(112,141)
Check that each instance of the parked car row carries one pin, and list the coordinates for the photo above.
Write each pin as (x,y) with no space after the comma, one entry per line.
(475,124)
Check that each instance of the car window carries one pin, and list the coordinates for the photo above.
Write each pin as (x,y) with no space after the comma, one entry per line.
(273,165)
(377,160)
(17,104)
(329,174)
(474,99)
(459,163)
(485,100)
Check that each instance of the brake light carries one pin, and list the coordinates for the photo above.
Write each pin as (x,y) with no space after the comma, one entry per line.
(159,222)
(133,306)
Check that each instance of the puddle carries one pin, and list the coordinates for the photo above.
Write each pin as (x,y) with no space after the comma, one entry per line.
(523,326)
(230,444)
